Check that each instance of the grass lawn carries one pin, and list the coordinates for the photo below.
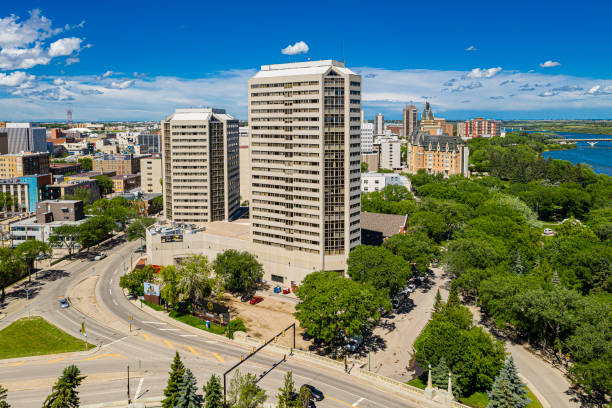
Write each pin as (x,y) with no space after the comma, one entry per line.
(35,337)
(417,383)
(237,323)
(153,305)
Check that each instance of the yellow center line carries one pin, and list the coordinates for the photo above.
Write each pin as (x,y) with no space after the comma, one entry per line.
(16,364)
(337,400)
(193,351)
(218,356)
(56,360)
(169,344)
(146,337)
(104,355)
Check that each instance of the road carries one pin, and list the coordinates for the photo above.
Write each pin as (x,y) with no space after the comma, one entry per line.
(149,349)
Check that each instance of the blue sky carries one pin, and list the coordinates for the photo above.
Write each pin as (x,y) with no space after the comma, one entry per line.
(133,60)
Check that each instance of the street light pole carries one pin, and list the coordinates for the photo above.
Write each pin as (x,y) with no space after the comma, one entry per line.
(28,301)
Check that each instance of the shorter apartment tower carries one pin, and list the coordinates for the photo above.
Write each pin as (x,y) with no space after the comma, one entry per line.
(367,137)
(390,154)
(200,166)
(479,127)
(151,175)
(410,120)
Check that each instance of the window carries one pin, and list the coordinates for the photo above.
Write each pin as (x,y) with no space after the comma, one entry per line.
(277,278)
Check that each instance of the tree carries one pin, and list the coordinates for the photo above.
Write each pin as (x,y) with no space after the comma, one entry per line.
(30,250)
(244,392)
(10,264)
(157,204)
(177,371)
(213,395)
(64,393)
(439,374)
(137,228)
(286,392)
(3,403)
(7,201)
(438,304)
(105,184)
(86,163)
(416,248)
(170,291)
(94,229)
(240,270)
(364,167)
(188,396)
(133,281)
(508,390)
(66,236)
(195,282)
(378,267)
(83,194)
(331,305)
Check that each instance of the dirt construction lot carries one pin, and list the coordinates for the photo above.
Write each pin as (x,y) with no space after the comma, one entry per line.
(267,318)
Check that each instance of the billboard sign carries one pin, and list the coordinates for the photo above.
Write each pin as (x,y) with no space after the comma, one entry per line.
(151,289)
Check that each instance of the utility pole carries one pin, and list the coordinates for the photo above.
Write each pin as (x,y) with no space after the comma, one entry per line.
(28,301)
(128,385)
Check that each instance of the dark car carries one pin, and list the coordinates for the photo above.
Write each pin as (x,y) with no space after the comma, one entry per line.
(314,392)
(245,298)
(255,300)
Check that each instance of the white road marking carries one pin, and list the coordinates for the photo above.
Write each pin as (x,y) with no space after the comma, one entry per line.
(187,335)
(211,341)
(115,302)
(110,292)
(358,401)
(170,329)
(154,322)
(113,342)
(139,387)
(111,281)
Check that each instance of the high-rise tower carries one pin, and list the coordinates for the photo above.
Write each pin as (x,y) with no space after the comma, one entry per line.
(410,120)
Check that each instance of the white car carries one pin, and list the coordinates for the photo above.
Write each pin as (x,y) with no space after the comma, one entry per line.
(411,288)
(100,256)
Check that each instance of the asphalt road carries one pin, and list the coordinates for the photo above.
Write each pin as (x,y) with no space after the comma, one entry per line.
(149,349)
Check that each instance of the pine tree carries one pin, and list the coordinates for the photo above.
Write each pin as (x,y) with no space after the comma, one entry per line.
(3,403)
(516,263)
(64,393)
(508,391)
(453,296)
(174,382)
(287,391)
(439,374)
(212,389)
(438,303)
(188,397)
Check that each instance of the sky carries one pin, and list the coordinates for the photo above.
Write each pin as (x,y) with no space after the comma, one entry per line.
(137,60)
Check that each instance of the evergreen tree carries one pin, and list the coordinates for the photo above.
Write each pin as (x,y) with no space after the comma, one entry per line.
(516,264)
(439,377)
(285,397)
(3,403)
(508,390)
(64,393)
(174,382)
(212,389)
(438,303)
(188,397)
(453,296)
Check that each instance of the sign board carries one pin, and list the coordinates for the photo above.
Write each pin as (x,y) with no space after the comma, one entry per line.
(211,310)
(151,289)
(172,238)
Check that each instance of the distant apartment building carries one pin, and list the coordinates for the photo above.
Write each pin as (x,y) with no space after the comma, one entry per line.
(200,165)
(49,215)
(305,135)
(125,183)
(372,160)
(367,137)
(151,175)
(479,127)
(379,124)
(22,137)
(25,190)
(437,154)
(373,181)
(390,155)
(122,164)
(71,188)
(80,147)
(245,163)
(410,119)
(394,129)
(58,169)
(149,142)
(23,164)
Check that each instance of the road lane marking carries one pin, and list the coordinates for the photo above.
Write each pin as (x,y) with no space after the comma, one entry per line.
(103,356)
(110,292)
(115,302)
(218,356)
(16,364)
(146,337)
(192,350)
(337,400)
(154,322)
(358,401)
(56,360)
(113,342)
(169,344)
(139,387)
(170,329)
(189,335)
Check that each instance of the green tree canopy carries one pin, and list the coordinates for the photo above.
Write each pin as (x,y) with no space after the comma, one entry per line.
(105,183)
(172,390)
(240,270)
(244,392)
(416,248)
(213,393)
(30,250)
(64,393)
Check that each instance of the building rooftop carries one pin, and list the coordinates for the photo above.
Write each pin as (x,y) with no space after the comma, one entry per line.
(387,224)
(239,229)
(302,68)
(32,220)
(199,114)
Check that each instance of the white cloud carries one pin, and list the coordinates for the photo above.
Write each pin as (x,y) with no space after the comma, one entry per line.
(483,73)
(23,58)
(299,47)
(122,84)
(64,46)
(107,74)
(599,90)
(471,48)
(15,78)
(550,64)
(15,33)
(72,60)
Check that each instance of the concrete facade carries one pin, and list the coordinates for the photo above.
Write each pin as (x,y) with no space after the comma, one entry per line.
(151,175)
(410,119)
(245,164)
(391,155)
(367,137)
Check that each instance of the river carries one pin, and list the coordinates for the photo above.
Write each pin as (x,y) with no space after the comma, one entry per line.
(599,157)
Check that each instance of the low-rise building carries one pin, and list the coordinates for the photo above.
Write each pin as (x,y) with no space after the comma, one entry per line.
(125,183)
(71,188)
(122,164)
(374,181)
(58,169)
(25,190)
(23,164)
(376,228)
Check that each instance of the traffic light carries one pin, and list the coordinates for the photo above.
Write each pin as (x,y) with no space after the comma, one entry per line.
(283,333)
(275,339)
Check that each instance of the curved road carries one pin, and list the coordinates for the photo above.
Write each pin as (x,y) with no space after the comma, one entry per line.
(149,349)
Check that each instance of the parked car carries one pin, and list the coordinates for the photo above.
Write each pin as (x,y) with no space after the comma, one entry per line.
(315,393)
(99,257)
(277,289)
(411,288)
(286,291)
(255,300)
(64,303)
(354,343)
(246,298)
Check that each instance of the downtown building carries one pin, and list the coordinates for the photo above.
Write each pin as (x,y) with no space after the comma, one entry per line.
(410,120)
(200,166)
(479,127)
